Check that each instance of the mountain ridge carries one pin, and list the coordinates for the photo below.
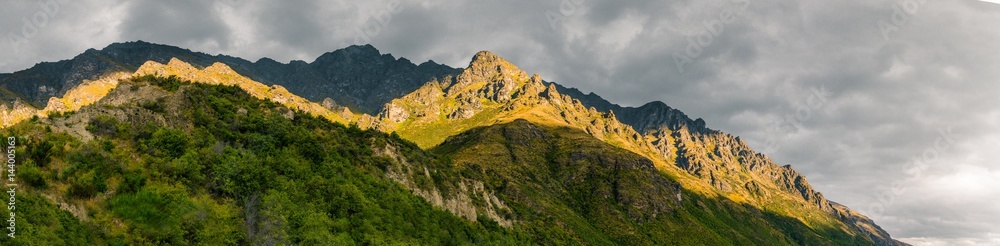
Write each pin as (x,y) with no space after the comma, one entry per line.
(493,88)
(388,76)
(493,91)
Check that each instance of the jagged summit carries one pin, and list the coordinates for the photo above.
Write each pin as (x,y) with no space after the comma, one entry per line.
(485,56)
(135,44)
(350,54)
(365,48)
(429,63)
(486,63)
(657,104)
(489,59)
(266,60)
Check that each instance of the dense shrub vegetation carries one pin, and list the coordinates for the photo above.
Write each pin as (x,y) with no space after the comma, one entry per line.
(251,177)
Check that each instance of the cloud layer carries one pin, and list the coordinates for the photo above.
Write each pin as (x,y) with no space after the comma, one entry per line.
(894,73)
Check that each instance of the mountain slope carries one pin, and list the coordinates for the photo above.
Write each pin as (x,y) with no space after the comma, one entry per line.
(660,122)
(562,177)
(217,166)
(493,91)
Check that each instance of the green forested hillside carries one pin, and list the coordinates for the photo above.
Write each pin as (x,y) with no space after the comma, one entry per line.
(163,161)
(225,169)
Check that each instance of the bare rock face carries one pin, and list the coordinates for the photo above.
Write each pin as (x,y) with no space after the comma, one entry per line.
(285,112)
(332,105)
(86,93)
(394,113)
(460,201)
(280,94)
(56,105)
(329,103)
(17,113)
(346,113)
(501,91)
(486,66)
(462,113)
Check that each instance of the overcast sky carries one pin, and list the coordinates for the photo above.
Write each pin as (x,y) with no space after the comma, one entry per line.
(848,92)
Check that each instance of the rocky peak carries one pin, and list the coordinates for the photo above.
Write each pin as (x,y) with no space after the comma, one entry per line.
(366,49)
(654,115)
(16,113)
(181,65)
(536,79)
(487,59)
(551,92)
(487,64)
(351,54)
(535,86)
(221,69)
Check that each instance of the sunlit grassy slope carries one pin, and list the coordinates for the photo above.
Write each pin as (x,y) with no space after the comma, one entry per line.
(561,177)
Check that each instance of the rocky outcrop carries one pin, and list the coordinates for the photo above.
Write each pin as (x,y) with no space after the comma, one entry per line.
(467,198)
(86,93)
(394,113)
(15,114)
(219,73)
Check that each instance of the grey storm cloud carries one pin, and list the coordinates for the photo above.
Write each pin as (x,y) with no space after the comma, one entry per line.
(894,73)
(185,23)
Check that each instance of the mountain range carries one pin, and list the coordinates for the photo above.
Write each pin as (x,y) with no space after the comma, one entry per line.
(325,151)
